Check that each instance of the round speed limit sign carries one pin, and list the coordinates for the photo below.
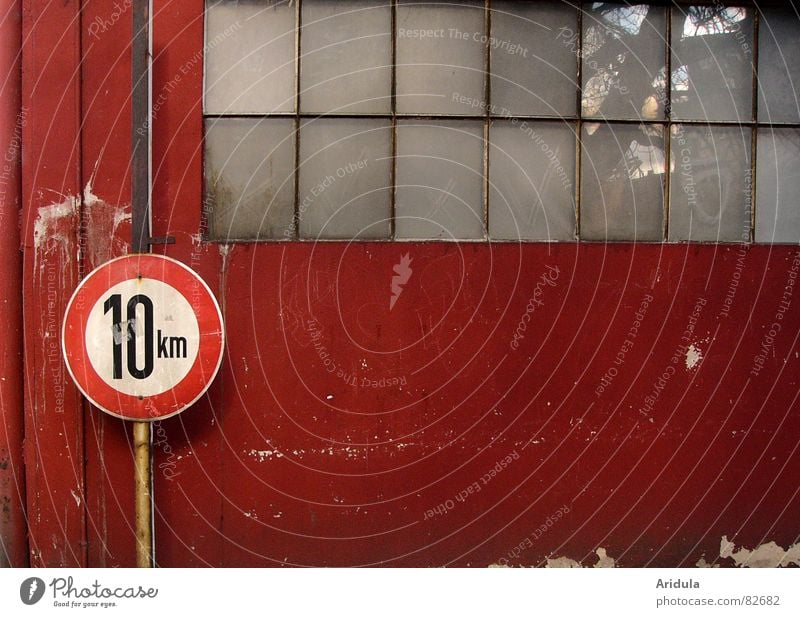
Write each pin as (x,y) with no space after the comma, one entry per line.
(143,337)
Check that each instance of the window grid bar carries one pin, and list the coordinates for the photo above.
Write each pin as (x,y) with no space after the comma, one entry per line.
(487,25)
(576,192)
(754,129)
(393,104)
(500,118)
(577,121)
(297,117)
(668,128)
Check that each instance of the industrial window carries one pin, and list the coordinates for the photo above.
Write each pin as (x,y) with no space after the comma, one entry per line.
(533,121)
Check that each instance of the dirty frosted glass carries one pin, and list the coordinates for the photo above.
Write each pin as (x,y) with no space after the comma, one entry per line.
(346,57)
(624,61)
(710,184)
(534,58)
(622,182)
(344,178)
(440,64)
(531,181)
(778,186)
(779,66)
(712,63)
(250,56)
(249,170)
(439,180)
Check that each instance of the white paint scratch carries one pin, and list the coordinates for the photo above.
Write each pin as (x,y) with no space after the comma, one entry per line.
(122,332)
(264,455)
(76,498)
(47,229)
(48,215)
(693,357)
(102,221)
(768,555)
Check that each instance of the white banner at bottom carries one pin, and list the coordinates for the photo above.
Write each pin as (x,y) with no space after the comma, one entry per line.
(399,592)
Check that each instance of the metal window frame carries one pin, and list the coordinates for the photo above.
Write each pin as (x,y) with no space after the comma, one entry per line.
(575,122)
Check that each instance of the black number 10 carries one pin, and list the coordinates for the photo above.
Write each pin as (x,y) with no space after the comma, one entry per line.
(114,304)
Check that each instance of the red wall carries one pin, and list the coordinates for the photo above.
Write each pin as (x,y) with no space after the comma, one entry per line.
(286,462)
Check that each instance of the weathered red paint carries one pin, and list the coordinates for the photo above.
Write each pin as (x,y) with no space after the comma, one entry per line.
(106,79)
(13,528)
(51,188)
(286,463)
(318,472)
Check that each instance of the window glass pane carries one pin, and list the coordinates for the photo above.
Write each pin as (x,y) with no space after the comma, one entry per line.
(710,184)
(439,179)
(779,66)
(249,170)
(345,178)
(712,56)
(250,51)
(531,181)
(534,49)
(778,186)
(624,61)
(440,57)
(622,182)
(346,57)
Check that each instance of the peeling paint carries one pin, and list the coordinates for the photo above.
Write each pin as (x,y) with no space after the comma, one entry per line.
(562,562)
(76,498)
(102,220)
(702,563)
(603,561)
(49,234)
(769,555)
(693,356)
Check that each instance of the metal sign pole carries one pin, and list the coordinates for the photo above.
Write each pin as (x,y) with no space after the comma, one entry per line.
(140,243)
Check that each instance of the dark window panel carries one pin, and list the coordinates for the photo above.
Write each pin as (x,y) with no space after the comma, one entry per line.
(249,175)
(710,185)
(622,182)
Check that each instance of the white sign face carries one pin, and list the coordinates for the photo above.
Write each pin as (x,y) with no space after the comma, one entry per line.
(142,337)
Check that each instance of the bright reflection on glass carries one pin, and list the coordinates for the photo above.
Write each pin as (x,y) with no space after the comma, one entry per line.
(624,62)
(712,63)
(705,20)
(641,160)
(627,18)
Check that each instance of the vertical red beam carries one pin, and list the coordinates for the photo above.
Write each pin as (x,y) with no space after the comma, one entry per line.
(13,542)
(51,193)
(106,217)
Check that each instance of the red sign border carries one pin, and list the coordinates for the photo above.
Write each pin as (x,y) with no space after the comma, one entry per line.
(209,356)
